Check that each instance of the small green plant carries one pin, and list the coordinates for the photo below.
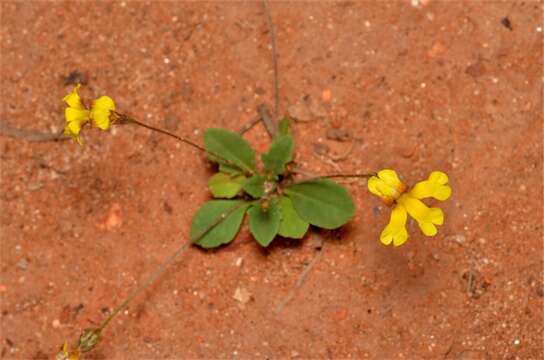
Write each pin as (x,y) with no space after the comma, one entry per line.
(275,203)
(275,200)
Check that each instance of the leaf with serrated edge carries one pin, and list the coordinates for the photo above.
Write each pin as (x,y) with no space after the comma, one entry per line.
(254,186)
(222,218)
(322,203)
(280,153)
(224,186)
(223,144)
(264,223)
(291,225)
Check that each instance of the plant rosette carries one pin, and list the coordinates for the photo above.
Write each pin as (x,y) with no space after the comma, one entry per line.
(274,203)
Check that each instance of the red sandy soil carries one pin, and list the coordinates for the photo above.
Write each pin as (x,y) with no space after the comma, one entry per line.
(455,86)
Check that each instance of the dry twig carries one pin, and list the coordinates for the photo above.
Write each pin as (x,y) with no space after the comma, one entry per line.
(30,135)
(274,58)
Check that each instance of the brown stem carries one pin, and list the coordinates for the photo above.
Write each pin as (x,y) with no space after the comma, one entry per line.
(30,135)
(274,58)
(310,176)
(269,124)
(165,264)
(125,119)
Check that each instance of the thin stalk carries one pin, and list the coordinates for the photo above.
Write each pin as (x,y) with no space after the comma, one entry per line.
(164,132)
(125,119)
(164,265)
(348,175)
(310,176)
(274,58)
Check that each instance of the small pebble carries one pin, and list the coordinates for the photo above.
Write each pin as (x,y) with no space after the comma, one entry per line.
(22,264)
(242,295)
(460,239)
(326,95)
(55,323)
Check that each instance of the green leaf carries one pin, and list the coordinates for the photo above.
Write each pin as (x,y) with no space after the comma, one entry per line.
(284,126)
(224,145)
(279,154)
(322,203)
(224,186)
(265,222)
(217,222)
(291,225)
(254,186)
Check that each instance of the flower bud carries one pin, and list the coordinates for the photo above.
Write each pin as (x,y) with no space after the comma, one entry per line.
(89,338)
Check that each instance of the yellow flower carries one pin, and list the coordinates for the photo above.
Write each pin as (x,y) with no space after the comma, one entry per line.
(66,353)
(388,186)
(77,115)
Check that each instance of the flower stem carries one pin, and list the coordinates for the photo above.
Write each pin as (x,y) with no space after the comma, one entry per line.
(129,120)
(310,176)
(164,265)
(125,119)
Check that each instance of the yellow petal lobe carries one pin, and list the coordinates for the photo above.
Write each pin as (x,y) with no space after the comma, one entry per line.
(73,100)
(73,114)
(426,218)
(101,111)
(395,231)
(435,187)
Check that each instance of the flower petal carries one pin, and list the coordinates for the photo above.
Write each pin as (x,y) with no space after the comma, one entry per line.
(390,177)
(104,103)
(386,185)
(435,187)
(74,114)
(101,118)
(426,217)
(395,231)
(438,177)
(428,228)
(436,215)
(101,111)
(373,186)
(72,129)
(73,100)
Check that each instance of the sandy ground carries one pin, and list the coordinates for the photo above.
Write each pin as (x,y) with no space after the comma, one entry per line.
(455,86)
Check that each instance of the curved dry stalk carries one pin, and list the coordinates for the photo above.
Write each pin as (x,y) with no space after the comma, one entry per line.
(30,135)
(274,58)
